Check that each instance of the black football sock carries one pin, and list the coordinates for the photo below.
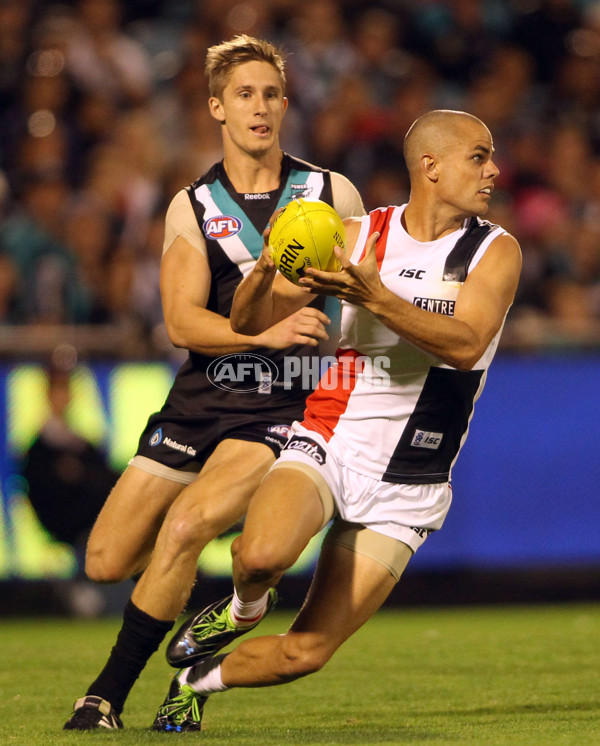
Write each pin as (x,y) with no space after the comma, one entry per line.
(139,637)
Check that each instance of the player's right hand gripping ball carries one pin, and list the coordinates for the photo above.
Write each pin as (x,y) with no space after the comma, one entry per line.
(303,235)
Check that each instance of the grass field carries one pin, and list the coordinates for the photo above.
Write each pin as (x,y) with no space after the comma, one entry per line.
(493,675)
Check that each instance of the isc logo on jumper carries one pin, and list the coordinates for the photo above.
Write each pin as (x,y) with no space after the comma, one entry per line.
(418,274)
(424,439)
(242,373)
(223,226)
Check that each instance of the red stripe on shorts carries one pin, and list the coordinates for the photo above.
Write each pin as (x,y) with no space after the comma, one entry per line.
(329,400)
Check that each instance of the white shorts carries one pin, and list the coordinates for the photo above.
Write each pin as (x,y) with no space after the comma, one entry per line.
(406,512)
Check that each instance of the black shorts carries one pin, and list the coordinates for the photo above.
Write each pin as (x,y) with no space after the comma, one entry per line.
(184,442)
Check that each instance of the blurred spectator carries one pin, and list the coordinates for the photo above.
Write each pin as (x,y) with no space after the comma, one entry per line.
(569,154)
(15,16)
(386,186)
(104,112)
(382,62)
(40,115)
(542,28)
(575,94)
(320,54)
(142,155)
(125,172)
(9,283)
(101,57)
(144,294)
(337,128)
(68,479)
(503,91)
(416,94)
(459,36)
(232,17)
(102,264)
(42,154)
(32,237)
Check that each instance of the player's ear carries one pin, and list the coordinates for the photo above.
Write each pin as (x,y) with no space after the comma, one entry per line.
(285,103)
(215,106)
(429,167)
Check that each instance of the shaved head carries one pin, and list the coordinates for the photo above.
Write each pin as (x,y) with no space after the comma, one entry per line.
(434,132)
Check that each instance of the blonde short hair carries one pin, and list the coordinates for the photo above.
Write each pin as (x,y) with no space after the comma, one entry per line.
(221,59)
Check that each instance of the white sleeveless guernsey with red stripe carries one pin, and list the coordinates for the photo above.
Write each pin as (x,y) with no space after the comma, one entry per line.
(389,410)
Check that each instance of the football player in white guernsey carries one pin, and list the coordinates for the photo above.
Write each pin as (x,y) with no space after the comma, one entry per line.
(425,289)
(202,456)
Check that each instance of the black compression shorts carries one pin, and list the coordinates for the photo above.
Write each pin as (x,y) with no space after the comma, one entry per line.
(184,442)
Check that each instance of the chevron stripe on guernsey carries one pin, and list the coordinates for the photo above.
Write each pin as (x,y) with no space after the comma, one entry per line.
(329,400)
(459,259)
(380,223)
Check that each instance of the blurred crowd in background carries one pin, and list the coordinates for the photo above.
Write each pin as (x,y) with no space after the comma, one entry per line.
(104,117)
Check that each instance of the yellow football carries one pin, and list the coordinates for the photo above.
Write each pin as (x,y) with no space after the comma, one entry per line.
(303,235)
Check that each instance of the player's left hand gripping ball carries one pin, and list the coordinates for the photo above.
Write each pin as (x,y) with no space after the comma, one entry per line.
(304,235)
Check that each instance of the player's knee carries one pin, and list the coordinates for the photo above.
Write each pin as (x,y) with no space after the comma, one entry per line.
(105,567)
(186,532)
(235,546)
(303,654)
(258,561)
(107,560)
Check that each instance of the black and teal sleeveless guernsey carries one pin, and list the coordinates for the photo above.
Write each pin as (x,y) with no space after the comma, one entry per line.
(260,380)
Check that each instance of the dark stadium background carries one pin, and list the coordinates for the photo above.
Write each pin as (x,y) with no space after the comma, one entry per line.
(75,143)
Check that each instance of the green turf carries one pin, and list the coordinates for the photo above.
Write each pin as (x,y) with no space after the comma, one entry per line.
(505,675)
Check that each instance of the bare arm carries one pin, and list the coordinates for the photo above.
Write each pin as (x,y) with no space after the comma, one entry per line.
(265,298)
(458,340)
(185,285)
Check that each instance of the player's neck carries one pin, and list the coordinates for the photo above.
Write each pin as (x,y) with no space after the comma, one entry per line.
(254,174)
(425,225)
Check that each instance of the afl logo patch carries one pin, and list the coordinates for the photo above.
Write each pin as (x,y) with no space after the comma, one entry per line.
(283,430)
(156,437)
(223,226)
(242,372)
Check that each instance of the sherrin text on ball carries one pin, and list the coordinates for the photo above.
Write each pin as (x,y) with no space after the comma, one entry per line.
(304,235)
